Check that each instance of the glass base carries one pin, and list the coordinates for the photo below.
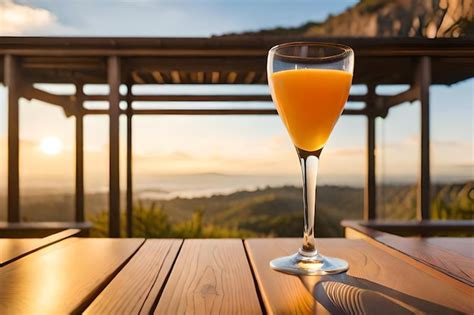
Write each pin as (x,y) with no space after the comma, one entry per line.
(304,265)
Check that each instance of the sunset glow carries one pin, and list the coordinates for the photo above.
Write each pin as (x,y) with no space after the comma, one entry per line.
(51,146)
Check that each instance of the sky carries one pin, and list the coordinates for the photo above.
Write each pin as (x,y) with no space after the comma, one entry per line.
(158,17)
(251,145)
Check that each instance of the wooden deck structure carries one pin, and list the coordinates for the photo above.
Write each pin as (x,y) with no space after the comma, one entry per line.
(429,250)
(232,276)
(134,61)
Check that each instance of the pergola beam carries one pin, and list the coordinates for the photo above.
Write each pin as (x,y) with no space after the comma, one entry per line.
(410,95)
(129,206)
(13,82)
(370,190)
(205,61)
(195,64)
(243,111)
(65,101)
(201,98)
(424,183)
(186,98)
(383,103)
(79,178)
(113,77)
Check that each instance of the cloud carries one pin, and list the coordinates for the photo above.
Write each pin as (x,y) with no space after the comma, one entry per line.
(469,166)
(452,143)
(17,19)
(174,155)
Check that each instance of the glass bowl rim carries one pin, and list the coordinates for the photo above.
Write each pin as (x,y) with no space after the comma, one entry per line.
(346,51)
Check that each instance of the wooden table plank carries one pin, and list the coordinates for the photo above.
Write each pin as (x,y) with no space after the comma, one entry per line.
(135,288)
(210,277)
(12,249)
(462,245)
(445,258)
(440,256)
(281,294)
(414,227)
(376,280)
(64,277)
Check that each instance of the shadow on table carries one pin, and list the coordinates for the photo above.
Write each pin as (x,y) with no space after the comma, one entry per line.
(344,294)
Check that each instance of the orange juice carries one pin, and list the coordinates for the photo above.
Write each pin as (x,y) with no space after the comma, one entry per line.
(309,101)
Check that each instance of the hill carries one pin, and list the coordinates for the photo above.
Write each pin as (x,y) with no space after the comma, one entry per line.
(276,211)
(271,211)
(386,18)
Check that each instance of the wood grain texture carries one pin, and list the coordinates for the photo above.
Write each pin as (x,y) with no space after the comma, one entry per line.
(12,249)
(396,281)
(133,290)
(413,227)
(281,293)
(461,245)
(210,277)
(438,253)
(384,238)
(441,258)
(445,256)
(62,278)
(376,281)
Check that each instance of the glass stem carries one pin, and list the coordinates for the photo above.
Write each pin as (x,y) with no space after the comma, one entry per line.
(309,168)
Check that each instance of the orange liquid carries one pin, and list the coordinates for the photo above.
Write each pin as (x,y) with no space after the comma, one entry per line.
(309,101)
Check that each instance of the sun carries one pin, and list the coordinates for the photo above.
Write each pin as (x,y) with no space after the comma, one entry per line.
(51,146)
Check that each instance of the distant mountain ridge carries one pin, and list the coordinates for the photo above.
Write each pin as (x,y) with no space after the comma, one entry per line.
(272,210)
(385,18)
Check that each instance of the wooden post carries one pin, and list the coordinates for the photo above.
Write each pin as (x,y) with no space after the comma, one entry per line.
(113,77)
(79,196)
(13,81)
(129,164)
(424,183)
(370,183)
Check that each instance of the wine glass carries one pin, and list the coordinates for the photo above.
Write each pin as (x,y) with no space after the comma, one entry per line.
(310,84)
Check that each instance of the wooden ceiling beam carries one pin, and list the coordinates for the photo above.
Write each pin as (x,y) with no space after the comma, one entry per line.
(200,77)
(202,98)
(82,48)
(66,58)
(249,77)
(223,77)
(66,102)
(186,98)
(193,78)
(410,95)
(158,77)
(137,78)
(184,77)
(196,64)
(215,77)
(383,103)
(71,52)
(177,111)
(263,78)
(231,77)
(175,77)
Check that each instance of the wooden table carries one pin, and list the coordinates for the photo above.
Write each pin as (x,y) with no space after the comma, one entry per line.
(225,276)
